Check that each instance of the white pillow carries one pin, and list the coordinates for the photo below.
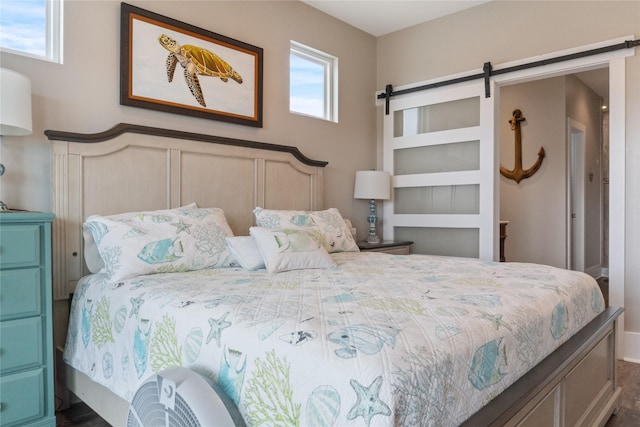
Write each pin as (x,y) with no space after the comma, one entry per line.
(286,249)
(92,257)
(91,254)
(246,252)
(163,241)
(328,226)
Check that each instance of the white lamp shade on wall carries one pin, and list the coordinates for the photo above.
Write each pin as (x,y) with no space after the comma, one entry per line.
(15,103)
(374,185)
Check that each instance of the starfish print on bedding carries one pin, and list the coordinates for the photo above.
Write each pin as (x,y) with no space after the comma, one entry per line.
(368,403)
(217,325)
(182,226)
(135,305)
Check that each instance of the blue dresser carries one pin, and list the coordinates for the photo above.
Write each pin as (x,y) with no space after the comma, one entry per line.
(26,331)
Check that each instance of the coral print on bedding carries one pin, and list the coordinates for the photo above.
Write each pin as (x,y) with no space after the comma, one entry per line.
(377,340)
(149,242)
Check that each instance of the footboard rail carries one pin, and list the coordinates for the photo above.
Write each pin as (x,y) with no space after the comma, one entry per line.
(574,386)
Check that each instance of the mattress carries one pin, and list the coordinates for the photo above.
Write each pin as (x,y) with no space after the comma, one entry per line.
(378,340)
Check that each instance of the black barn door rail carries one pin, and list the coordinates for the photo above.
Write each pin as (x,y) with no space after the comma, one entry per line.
(488,71)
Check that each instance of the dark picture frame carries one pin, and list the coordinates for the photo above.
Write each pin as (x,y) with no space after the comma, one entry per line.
(222,79)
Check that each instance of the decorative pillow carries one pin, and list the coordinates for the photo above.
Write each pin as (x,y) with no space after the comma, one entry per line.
(92,257)
(328,226)
(246,252)
(286,249)
(182,239)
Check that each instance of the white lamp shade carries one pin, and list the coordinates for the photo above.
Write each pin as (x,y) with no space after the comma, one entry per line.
(15,103)
(372,185)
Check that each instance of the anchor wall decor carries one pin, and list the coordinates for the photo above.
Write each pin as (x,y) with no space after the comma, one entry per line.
(518,174)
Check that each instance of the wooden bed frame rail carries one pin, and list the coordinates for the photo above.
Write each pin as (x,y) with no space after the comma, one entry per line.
(574,386)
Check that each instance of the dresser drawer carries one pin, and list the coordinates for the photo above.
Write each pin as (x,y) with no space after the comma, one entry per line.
(22,397)
(20,293)
(21,344)
(19,245)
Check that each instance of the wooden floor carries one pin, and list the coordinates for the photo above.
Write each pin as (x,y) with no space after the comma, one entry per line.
(79,415)
(628,415)
(603,282)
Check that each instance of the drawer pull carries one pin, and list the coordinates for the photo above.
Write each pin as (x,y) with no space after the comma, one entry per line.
(75,254)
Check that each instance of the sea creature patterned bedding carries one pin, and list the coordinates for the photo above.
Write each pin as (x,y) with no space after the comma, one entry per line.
(379,340)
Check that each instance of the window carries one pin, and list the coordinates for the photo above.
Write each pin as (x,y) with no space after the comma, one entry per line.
(32,28)
(313,82)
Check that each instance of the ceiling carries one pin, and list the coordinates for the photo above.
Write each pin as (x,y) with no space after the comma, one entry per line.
(598,81)
(380,17)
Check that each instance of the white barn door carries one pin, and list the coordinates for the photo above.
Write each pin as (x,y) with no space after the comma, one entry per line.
(439,147)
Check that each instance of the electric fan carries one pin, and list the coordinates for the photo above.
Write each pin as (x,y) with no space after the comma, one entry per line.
(179,397)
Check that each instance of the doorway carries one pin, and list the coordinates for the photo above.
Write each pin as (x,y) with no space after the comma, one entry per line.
(575,195)
(555,215)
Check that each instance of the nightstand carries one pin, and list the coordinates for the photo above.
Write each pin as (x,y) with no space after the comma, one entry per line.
(387,246)
(26,331)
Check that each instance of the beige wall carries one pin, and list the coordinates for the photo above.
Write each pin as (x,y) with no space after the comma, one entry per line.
(82,95)
(502,31)
(535,208)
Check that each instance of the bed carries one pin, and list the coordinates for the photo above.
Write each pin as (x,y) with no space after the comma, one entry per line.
(327,336)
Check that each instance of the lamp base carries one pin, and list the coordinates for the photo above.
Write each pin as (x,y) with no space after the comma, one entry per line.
(372,238)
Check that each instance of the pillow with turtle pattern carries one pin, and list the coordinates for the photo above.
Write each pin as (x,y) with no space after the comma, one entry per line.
(163,241)
(327,226)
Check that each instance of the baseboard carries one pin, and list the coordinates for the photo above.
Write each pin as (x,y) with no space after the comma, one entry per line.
(631,347)
(594,271)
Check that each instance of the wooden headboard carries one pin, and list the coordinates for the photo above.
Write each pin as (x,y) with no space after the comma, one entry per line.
(134,168)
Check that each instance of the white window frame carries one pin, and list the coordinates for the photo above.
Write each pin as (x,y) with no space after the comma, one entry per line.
(330,67)
(53,34)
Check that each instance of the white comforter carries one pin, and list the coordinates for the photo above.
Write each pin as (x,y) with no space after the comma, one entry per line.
(381,340)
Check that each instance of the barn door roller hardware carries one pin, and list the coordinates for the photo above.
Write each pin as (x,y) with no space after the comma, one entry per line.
(488,71)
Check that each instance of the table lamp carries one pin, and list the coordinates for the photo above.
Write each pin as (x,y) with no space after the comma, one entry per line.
(373,185)
(15,108)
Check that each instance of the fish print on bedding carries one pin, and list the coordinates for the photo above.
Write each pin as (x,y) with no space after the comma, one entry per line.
(379,340)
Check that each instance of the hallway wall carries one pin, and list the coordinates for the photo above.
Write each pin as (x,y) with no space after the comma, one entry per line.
(536,208)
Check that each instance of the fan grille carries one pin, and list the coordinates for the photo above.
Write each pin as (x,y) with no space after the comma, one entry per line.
(149,412)
(183,415)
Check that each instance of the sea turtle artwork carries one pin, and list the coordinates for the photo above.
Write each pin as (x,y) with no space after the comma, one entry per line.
(196,60)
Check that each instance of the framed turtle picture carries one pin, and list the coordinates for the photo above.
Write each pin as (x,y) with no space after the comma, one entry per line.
(171,66)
